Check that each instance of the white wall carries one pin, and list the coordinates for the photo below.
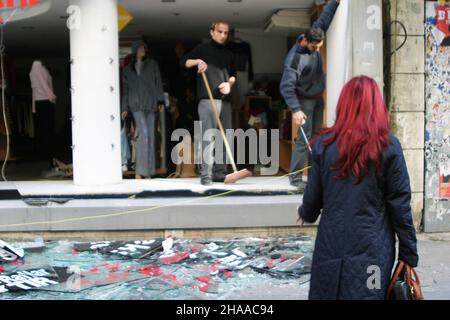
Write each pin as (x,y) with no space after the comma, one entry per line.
(268,52)
(339,58)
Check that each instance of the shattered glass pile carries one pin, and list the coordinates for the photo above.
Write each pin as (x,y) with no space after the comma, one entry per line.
(156,269)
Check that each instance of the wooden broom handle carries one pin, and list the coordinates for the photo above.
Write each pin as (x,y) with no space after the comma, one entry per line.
(216,114)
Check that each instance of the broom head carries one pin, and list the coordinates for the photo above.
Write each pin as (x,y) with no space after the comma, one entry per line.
(237,175)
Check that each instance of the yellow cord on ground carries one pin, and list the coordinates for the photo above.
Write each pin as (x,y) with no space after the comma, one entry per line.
(123,213)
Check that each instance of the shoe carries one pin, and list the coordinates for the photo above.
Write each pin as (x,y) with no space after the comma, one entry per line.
(124,168)
(206,181)
(219,177)
(298,184)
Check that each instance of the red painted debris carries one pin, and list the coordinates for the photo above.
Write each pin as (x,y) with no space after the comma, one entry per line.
(175,258)
(117,277)
(2,269)
(150,270)
(170,277)
(209,268)
(196,247)
(205,279)
(203,288)
(113,268)
(94,270)
(85,283)
(270,264)
(75,252)
(18,262)
(228,274)
(173,280)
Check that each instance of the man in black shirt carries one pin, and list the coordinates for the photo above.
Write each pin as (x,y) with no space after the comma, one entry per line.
(216,61)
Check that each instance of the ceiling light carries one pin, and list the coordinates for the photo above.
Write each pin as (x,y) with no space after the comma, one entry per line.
(168,0)
(235,1)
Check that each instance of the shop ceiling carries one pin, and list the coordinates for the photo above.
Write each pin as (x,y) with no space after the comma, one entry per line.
(159,20)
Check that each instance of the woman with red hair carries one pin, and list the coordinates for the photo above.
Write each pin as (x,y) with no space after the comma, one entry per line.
(360,184)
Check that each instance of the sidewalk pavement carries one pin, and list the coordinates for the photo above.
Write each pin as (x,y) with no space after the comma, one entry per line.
(434,265)
(433,270)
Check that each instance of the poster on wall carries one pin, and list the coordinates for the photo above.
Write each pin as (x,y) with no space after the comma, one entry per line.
(444,181)
(437,115)
(443,24)
(437,93)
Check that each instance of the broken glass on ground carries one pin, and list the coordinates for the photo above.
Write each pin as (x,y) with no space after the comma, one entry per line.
(163,268)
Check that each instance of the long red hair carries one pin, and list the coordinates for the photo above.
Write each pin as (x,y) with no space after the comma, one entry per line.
(361,130)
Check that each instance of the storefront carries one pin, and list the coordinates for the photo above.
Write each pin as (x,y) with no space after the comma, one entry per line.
(90,72)
(81,45)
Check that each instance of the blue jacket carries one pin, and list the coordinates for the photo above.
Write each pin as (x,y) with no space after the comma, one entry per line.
(358,224)
(303,71)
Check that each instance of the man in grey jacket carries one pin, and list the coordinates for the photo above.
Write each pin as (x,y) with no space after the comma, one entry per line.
(303,84)
(142,95)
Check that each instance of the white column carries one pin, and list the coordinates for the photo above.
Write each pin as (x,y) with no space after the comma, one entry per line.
(354,47)
(339,57)
(94,53)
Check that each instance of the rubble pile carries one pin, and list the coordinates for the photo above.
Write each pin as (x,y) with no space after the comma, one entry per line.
(150,269)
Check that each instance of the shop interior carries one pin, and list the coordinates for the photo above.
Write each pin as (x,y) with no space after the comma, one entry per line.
(263,32)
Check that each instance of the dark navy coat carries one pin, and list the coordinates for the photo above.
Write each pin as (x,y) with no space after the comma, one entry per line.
(358,224)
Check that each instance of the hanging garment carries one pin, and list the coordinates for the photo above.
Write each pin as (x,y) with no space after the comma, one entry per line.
(41,84)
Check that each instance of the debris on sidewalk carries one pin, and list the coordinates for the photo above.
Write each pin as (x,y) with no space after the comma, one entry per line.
(10,253)
(156,268)
(133,249)
(28,279)
(38,245)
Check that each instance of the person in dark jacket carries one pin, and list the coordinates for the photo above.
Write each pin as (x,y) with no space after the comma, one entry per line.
(303,84)
(359,184)
(216,61)
(143,95)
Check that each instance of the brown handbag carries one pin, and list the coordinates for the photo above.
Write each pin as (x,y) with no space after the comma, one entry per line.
(405,283)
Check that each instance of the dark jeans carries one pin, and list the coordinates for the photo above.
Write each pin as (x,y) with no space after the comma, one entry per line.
(44,130)
(314,111)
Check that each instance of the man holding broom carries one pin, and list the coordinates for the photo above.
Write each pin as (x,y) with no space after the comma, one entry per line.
(216,61)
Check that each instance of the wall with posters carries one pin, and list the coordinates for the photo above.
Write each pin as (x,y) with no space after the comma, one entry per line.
(437,133)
